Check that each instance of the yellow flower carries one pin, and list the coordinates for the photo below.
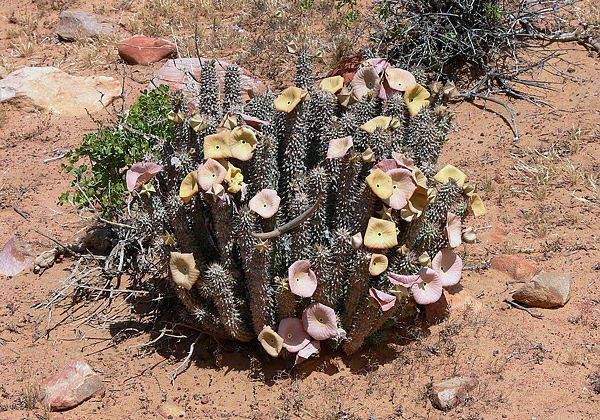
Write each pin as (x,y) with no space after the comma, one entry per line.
(189,187)
(380,234)
(234,178)
(332,84)
(416,97)
(448,172)
(216,146)
(147,189)
(380,183)
(289,98)
(242,142)
(380,122)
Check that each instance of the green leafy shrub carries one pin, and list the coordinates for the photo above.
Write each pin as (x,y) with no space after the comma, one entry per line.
(110,149)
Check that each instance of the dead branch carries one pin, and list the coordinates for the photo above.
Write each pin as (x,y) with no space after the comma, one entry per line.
(516,305)
(26,215)
(183,365)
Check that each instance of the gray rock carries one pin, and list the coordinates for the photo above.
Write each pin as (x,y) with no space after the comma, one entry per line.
(51,89)
(448,394)
(71,385)
(76,24)
(546,290)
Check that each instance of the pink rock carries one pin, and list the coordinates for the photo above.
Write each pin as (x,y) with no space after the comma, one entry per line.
(72,384)
(14,258)
(144,50)
(450,393)
(347,68)
(495,235)
(516,267)
(460,300)
(180,72)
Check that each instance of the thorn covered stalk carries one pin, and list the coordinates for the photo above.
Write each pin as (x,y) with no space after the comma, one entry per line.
(314,215)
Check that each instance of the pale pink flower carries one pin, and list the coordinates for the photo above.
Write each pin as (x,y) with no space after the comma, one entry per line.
(209,173)
(253,121)
(429,289)
(403,186)
(386,301)
(339,147)
(265,203)
(453,230)
(365,81)
(140,173)
(380,64)
(448,265)
(302,280)
(311,348)
(319,321)
(404,280)
(395,80)
(293,334)
(386,165)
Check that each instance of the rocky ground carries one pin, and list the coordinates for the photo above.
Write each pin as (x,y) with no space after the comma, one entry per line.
(540,191)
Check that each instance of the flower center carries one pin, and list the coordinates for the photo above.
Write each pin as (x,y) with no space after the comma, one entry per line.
(217,147)
(379,234)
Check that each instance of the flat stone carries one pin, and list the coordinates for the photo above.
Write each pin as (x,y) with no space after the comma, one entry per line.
(179,74)
(448,394)
(515,267)
(15,257)
(77,24)
(494,235)
(71,385)
(546,290)
(171,411)
(49,89)
(144,50)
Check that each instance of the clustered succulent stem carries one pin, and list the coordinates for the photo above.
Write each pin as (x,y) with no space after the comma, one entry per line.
(294,193)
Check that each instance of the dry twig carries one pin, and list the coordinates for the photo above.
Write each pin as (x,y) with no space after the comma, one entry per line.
(516,305)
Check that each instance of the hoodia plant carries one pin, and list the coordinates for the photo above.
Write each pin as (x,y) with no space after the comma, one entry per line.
(317,215)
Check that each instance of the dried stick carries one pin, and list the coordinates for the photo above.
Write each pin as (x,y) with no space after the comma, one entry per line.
(516,305)
(183,365)
(26,215)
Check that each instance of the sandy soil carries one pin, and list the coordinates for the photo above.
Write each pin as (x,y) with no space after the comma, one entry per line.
(542,205)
